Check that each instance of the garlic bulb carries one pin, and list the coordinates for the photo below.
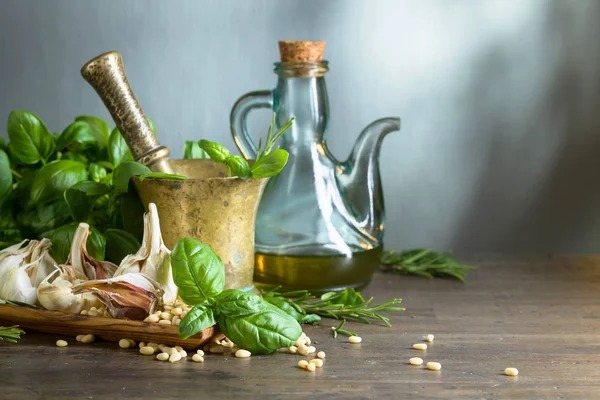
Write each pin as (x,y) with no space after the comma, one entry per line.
(56,291)
(82,262)
(132,295)
(153,258)
(23,268)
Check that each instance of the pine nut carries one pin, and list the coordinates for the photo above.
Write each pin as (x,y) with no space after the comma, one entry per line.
(164,322)
(300,342)
(166,315)
(321,355)
(171,351)
(62,343)
(293,349)
(183,353)
(511,371)
(93,309)
(78,337)
(416,361)
(157,313)
(241,353)
(141,344)
(429,338)
(162,356)
(434,366)
(178,348)
(307,340)
(174,357)
(175,320)
(132,342)
(311,349)
(176,323)
(311,367)
(303,364)
(88,338)
(198,358)
(84,312)
(93,313)
(153,318)
(152,344)
(168,308)
(420,346)
(124,344)
(303,350)
(176,311)
(317,361)
(147,350)
(354,339)
(200,352)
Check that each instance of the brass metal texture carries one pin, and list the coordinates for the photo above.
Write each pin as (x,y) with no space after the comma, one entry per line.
(212,208)
(107,76)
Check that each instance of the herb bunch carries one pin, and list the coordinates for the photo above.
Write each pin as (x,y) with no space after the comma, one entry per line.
(10,333)
(425,263)
(347,304)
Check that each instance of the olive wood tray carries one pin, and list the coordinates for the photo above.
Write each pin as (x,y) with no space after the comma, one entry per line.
(109,329)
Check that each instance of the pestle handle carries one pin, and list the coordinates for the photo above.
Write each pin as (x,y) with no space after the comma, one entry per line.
(107,76)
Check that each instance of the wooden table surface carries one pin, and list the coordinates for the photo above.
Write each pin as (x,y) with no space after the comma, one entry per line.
(539,314)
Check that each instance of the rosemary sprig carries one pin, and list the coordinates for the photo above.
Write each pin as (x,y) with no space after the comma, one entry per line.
(425,263)
(271,139)
(11,333)
(347,304)
(17,303)
(342,331)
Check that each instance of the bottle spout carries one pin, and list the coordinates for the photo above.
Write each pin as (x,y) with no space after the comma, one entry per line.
(360,181)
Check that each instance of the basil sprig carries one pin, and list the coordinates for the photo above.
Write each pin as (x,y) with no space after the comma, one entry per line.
(245,318)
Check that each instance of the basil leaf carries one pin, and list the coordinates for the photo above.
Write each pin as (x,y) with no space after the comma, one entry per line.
(81,198)
(54,178)
(270,164)
(77,136)
(234,303)
(216,151)
(191,150)
(239,166)
(29,138)
(62,237)
(97,173)
(132,213)
(118,151)
(44,218)
(287,308)
(6,178)
(124,172)
(348,297)
(198,271)
(162,175)
(197,319)
(120,244)
(100,129)
(262,332)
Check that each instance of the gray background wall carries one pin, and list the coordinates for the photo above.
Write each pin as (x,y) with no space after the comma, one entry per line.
(500,146)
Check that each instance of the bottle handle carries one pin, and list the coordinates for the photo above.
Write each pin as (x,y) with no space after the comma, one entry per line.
(239,116)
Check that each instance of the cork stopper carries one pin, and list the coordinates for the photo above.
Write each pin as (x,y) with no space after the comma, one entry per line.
(301,50)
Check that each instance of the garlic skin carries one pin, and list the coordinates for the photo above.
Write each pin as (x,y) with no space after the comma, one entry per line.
(153,258)
(56,292)
(131,296)
(23,268)
(82,262)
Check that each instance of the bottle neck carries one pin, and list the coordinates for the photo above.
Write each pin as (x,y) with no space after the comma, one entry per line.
(301,92)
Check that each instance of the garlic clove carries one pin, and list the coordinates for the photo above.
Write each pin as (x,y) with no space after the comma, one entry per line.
(56,292)
(82,262)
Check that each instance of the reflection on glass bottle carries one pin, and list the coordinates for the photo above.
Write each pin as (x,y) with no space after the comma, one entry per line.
(320,222)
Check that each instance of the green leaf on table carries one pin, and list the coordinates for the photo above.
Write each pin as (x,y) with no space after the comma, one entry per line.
(217,152)
(54,178)
(239,166)
(191,151)
(262,332)
(198,271)
(234,303)
(118,151)
(82,196)
(124,172)
(162,175)
(29,138)
(270,164)
(76,137)
(6,178)
(120,244)
(197,319)
(100,129)
(62,237)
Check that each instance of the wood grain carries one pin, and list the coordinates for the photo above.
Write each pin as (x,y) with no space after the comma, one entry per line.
(539,314)
(109,329)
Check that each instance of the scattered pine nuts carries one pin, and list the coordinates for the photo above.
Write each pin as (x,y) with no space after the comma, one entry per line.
(78,337)
(511,371)
(124,344)
(321,355)
(132,342)
(317,361)
(198,358)
(311,367)
(303,350)
(293,349)
(311,349)
(429,338)
(307,340)
(62,343)
(199,352)
(420,346)
(141,344)
(178,348)
(147,350)
(93,313)
(183,353)
(174,357)
(84,312)
(301,341)
(434,366)
(416,361)
(162,356)
(176,311)
(165,322)
(89,338)
(171,351)
(153,318)
(241,353)
(303,364)
(354,339)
